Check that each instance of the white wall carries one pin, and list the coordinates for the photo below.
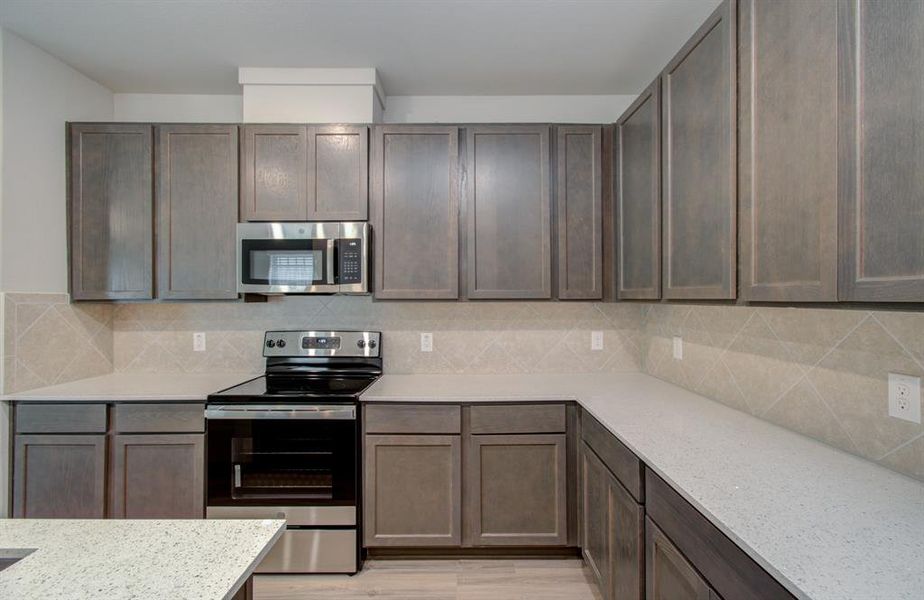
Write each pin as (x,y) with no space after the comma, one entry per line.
(505,109)
(40,94)
(178,108)
(309,104)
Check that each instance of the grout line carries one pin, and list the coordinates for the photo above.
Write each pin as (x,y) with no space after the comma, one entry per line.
(897,341)
(834,416)
(902,445)
(19,335)
(840,341)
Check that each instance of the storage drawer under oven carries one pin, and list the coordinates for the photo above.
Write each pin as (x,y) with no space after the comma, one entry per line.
(312,551)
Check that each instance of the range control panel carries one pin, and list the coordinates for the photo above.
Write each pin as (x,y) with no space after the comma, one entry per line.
(322,343)
(351,261)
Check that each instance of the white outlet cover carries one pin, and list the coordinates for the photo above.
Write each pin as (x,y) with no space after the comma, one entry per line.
(199,341)
(678,347)
(596,340)
(426,342)
(905,397)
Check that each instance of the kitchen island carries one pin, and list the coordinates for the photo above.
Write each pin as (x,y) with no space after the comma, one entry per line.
(138,559)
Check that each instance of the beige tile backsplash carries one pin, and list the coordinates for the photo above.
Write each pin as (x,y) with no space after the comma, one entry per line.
(821,372)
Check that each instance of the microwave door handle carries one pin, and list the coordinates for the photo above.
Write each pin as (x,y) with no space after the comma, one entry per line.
(331,279)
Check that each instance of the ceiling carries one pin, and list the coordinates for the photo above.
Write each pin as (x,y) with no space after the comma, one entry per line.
(420,47)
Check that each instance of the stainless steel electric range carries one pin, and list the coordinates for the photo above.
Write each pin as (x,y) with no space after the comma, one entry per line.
(287,445)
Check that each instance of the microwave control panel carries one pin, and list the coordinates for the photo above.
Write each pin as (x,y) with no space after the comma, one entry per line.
(351,261)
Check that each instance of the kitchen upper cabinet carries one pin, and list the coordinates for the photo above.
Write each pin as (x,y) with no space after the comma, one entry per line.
(638,197)
(415,211)
(413,490)
(338,173)
(197,211)
(787,161)
(274,173)
(508,212)
(517,486)
(669,575)
(699,163)
(304,172)
(880,129)
(110,207)
(59,476)
(580,213)
(158,476)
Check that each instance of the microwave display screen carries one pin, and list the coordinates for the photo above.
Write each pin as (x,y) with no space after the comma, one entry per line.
(285,267)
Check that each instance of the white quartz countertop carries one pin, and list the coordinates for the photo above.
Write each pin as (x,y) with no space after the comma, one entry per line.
(826,524)
(137,559)
(135,387)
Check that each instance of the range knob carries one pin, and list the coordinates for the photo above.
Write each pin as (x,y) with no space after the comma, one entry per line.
(361,344)
(372,343)
(270,344)
(281,343)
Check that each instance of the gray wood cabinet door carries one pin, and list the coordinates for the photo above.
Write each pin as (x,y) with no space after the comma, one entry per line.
(669,576)
(158,476)
(274,173)
(787,162)
(508,212)
(59,476)
(881,150)
(626,525)
(197,211)
(516,488)
(699,163)
(580,213)
(338,173)
(415,212)
(638,197)
(110,211)
(412,490)
(595,542)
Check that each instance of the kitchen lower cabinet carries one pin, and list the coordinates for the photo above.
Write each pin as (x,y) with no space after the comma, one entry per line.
(413,490)
(669,575)
(158,476)
(612,531)
(110,211)
(517,489)
(59,476)
(699,180)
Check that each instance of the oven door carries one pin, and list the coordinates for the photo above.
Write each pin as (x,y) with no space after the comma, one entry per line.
(286,257)
(260,455)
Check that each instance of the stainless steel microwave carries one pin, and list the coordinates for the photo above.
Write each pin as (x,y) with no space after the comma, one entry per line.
(303,258)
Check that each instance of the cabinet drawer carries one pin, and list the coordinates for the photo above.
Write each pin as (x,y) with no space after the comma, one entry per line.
(413,418)
(159,418)
(61,418)
(620,460)
(518,418)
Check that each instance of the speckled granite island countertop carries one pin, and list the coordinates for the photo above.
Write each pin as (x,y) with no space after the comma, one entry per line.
(137,559)
(135,387)
(826,524)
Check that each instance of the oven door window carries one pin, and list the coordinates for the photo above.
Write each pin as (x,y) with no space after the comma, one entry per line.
(293,462)
(298,262)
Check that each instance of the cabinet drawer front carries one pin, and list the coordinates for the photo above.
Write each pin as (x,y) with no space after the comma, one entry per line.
(159,418)
(413,418)
(513,418)
(61,418)
(620,460)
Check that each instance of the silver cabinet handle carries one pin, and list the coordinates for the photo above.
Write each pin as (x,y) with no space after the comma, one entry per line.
(281,412)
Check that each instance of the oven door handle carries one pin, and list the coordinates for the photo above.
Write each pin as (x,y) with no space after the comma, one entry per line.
(281,412)
(331,278)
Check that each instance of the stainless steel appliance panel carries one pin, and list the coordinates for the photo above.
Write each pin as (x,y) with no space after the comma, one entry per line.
(295,516)
(312,551)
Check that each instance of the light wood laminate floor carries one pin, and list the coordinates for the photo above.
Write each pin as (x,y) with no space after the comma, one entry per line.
(450,579)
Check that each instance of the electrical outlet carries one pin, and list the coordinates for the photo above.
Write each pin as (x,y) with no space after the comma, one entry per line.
(905,397)
(426,342)
(199,341)
(596,340)
(678,347)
